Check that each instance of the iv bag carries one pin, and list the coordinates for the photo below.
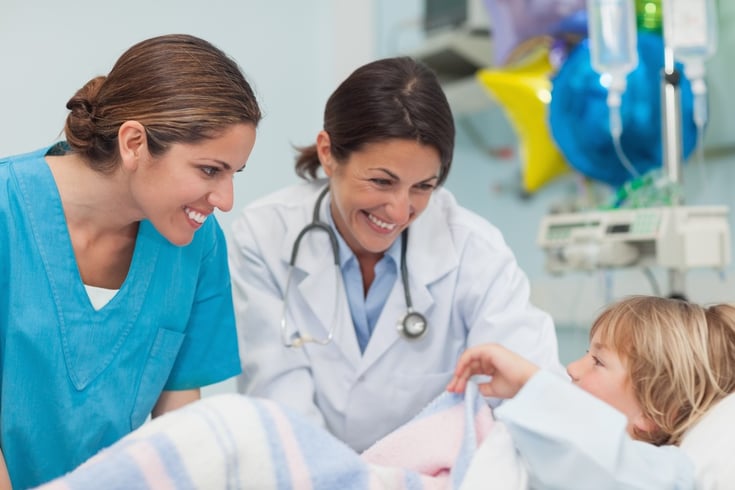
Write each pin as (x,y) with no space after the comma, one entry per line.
(690,27)
(612,35)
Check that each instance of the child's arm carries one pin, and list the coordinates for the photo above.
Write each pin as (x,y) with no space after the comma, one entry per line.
(566,437)
(570,439)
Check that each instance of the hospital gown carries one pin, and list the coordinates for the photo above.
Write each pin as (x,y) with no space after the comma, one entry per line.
(571,440)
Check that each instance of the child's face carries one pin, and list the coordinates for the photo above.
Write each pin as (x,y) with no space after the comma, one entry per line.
(602,373)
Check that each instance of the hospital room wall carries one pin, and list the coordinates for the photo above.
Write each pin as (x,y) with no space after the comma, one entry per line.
(292,52)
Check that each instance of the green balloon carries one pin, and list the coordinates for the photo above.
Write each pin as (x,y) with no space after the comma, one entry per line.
(649,16)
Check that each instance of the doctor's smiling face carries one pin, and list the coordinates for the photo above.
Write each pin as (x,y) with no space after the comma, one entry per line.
(387,143)
(379,190)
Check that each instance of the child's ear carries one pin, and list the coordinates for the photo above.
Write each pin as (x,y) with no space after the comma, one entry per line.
(644,424)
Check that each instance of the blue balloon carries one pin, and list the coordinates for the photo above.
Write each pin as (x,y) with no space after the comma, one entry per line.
(579,117)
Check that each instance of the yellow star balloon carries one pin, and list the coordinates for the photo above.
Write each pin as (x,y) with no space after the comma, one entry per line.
(523,90)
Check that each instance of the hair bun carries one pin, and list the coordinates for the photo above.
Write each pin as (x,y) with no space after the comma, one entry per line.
(84,102)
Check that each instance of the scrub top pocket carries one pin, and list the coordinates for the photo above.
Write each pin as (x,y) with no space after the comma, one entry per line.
(155,373)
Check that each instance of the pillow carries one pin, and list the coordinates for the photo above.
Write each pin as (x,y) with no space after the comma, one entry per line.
(711,445)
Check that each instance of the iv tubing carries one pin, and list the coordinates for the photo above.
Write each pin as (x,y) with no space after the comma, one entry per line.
(616,127)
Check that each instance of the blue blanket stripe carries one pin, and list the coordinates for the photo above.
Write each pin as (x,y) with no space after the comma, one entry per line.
(169,454)
(443,402)
(277,454)
(333,464)
(124,465)
(473,402)
(226,442)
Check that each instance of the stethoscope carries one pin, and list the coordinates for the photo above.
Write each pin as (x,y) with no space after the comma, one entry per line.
(411,326)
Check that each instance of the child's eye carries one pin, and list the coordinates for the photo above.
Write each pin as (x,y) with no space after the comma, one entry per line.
(595,360)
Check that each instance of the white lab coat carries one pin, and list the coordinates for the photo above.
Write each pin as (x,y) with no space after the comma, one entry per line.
(463,278)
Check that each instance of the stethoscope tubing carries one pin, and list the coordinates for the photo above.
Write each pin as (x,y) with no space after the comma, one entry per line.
(412,326)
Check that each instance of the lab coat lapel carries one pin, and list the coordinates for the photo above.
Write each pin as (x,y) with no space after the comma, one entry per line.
(319,288)
(429,239)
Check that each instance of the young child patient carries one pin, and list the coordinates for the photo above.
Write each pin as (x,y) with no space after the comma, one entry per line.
(661,364)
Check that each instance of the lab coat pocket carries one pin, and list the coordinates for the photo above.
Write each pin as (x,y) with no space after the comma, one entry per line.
(416,390)
(155,373)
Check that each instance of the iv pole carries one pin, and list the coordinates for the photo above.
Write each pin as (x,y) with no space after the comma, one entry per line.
(672,142)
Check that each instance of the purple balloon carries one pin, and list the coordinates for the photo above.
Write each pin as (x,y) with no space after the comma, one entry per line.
(558,53)
(515,21)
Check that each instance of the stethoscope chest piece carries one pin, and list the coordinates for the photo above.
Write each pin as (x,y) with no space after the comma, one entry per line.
(413,325)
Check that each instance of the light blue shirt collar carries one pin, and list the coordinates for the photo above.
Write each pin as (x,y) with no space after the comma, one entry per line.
(365,309)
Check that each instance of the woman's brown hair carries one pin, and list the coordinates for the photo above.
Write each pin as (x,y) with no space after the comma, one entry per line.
(179,87)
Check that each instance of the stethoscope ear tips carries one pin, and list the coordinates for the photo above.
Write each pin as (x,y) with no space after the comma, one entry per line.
(413,325)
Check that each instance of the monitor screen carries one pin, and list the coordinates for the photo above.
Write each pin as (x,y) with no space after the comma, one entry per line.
(439,14)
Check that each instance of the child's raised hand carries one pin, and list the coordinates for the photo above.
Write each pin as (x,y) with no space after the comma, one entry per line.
(508,370)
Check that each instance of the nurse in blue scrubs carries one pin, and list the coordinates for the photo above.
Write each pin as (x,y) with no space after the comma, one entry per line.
(116,300)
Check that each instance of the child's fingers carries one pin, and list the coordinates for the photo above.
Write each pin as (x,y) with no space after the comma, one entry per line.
(487,389)
(459,381)
(467,368)
(475,360)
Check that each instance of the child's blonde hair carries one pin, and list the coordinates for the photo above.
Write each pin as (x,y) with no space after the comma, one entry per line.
(680,358)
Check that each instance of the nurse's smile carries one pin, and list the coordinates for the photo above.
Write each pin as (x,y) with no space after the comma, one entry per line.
(195,217)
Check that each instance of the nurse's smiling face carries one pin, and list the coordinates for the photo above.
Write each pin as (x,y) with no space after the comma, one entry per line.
(179,190)
(379,191)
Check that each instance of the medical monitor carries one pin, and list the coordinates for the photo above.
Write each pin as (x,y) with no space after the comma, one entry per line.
(444,14)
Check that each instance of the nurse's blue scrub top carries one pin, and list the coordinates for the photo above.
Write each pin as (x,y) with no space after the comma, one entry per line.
(75,379)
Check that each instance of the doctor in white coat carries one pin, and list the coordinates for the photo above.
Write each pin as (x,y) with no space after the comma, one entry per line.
(323,314)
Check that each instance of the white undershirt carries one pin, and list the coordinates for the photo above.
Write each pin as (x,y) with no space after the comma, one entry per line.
(99,297)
